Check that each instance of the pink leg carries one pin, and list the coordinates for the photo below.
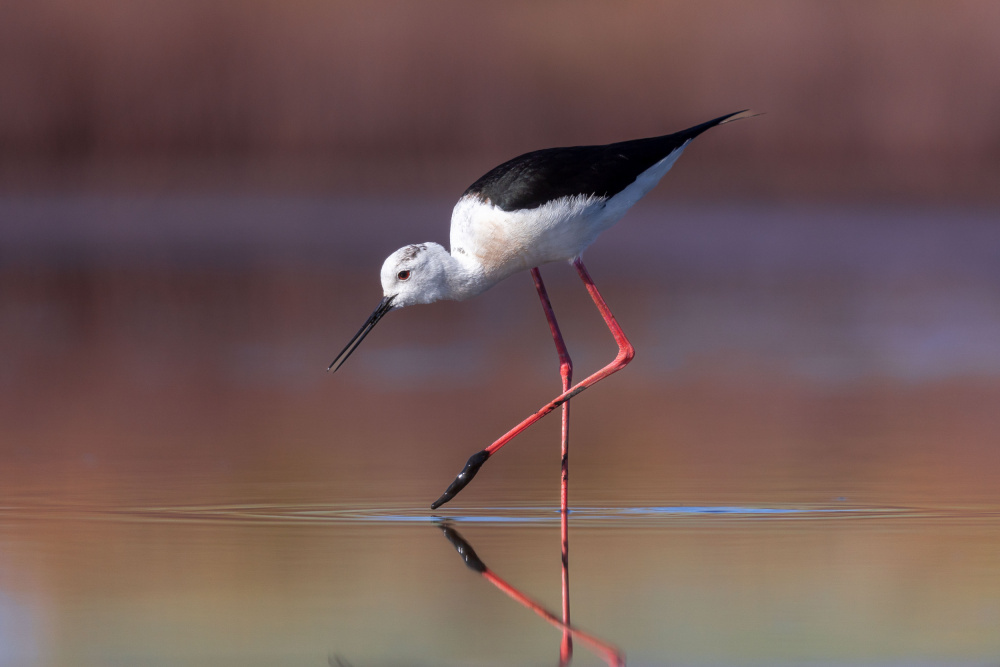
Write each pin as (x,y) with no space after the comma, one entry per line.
(566,371)
(625,354)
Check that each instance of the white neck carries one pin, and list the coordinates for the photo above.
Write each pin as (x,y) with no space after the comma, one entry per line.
(429,273)
(464,277)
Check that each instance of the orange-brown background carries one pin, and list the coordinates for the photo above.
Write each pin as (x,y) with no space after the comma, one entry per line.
(197,196)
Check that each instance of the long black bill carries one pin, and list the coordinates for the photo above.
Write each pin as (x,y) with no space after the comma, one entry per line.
(384,307)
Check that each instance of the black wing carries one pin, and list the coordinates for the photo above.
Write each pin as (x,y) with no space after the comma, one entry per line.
(532,179)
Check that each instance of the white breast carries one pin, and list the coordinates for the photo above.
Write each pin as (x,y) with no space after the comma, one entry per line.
(503,242)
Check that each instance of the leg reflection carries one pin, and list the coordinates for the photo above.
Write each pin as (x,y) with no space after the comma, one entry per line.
(609,653)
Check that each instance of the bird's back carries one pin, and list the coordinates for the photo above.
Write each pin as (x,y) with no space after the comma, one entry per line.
(532,179)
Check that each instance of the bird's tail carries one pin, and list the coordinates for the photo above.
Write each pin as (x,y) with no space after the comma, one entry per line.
(739,115)
(693,132)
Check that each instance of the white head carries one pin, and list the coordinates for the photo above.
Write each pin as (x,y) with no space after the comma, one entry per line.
(411,275)
(416,274)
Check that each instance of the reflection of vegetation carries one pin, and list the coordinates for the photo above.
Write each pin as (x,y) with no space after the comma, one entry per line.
(609,653)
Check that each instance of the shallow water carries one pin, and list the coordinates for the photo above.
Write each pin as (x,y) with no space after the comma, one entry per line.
(303,585)
(800,467)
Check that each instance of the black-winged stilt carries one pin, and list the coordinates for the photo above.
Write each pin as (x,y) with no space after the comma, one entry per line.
(544,206)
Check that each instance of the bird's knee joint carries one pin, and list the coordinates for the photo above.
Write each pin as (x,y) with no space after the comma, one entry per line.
(625,355)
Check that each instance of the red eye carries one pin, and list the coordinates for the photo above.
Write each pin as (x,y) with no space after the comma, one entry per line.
(403,275)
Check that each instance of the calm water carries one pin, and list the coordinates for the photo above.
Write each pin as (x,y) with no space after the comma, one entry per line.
(800,467)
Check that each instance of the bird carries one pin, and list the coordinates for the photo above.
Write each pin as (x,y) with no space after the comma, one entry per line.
(541,207)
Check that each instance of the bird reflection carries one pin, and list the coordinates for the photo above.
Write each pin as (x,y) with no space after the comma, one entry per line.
(609,653)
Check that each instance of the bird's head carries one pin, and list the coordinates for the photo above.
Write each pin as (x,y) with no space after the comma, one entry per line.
(415,274)
(411,275)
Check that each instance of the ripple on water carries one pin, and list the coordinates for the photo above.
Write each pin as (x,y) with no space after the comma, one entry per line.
(606,517)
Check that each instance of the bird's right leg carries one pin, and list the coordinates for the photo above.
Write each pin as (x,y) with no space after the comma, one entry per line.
(625,354)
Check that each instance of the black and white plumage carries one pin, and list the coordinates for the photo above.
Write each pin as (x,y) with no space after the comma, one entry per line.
(532,179)
(540,207)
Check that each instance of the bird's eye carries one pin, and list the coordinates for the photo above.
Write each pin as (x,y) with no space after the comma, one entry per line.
(403,275)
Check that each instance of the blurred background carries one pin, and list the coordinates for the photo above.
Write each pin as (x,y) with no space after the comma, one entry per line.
(196,198)
(876,100)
